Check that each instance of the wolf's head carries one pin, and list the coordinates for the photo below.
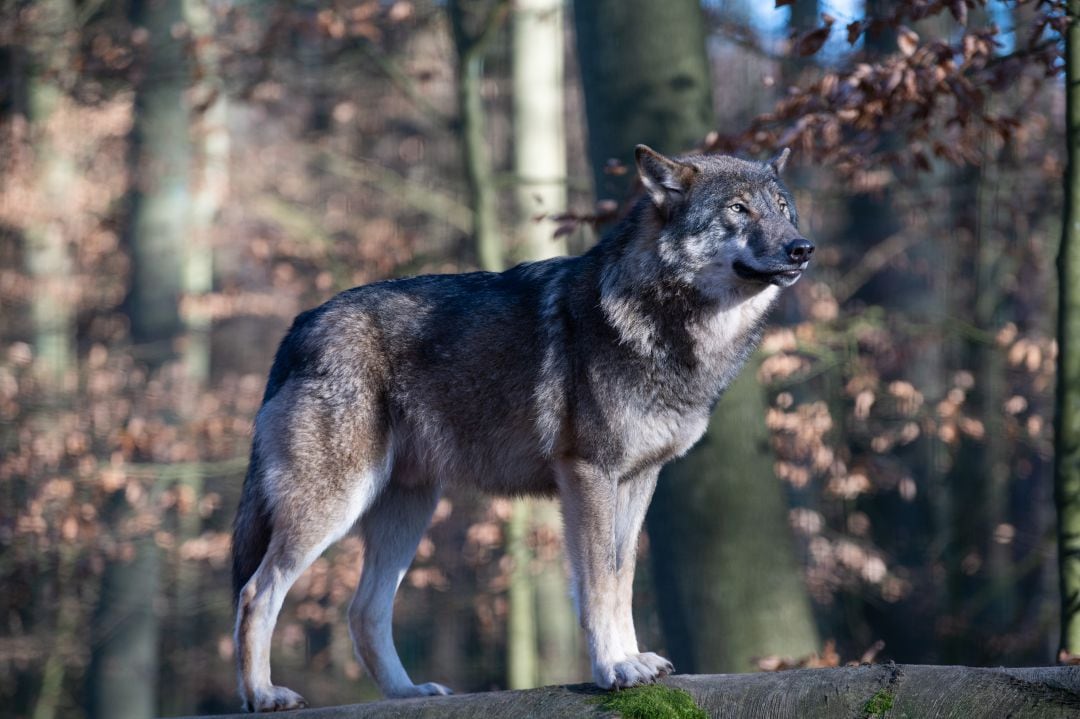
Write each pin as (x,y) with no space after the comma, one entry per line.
(727,223)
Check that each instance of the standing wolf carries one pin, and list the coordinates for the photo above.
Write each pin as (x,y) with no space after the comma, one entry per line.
(578,377)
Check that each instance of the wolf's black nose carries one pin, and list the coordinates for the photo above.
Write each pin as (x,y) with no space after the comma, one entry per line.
(800,250)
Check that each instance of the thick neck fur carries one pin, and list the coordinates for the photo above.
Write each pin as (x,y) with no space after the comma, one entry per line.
(656,309)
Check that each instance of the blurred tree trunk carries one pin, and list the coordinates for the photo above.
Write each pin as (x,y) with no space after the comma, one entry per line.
(208,182)
(161,203)
(542,640)
(124,670)
(47,257)
(726,578)
(557,634)
(52,312)
(911,287)
(646,80)
(1067,428)
(473,23)
(522,670)
(727,582)
(985,601)
(539,126)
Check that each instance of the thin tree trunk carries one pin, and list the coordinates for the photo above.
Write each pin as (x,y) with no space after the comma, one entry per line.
(47,258)
(48,265)
(557,627)
(161,209)
(541,640)
(209,179)
(124,663)
(522,671)
(471,38)
(1067,425)
(125,657)
(539,126)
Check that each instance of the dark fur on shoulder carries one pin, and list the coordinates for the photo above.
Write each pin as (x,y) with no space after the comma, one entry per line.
(577,376)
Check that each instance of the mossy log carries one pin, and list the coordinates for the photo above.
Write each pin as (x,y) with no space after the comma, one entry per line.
(868,691)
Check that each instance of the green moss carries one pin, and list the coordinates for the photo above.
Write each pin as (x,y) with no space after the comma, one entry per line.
(652,702)
(878,704)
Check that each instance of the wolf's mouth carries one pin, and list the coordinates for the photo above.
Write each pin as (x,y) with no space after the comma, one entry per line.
(781,276)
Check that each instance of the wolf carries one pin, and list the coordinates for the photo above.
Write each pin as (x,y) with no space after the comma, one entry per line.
(578,377)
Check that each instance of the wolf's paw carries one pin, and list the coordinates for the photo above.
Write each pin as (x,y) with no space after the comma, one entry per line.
(431,689)
(656,663)
(628,673)
(275,699)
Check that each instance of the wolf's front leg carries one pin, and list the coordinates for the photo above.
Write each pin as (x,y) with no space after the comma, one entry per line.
(589,500)
(634,495)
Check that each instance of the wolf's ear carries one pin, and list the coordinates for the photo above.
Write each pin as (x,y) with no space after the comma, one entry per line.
(667,181)
(778,162)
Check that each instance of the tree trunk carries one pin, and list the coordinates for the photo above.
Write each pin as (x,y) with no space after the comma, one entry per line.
(522,671)
(727,584)
(472,34)
(125,657)
(868,691)
(124,662)
(539,127)
(557,628)
(646,80)
(47,258)
(161,208)
(1067,426)
(542,637)
(208,181)
(48,265)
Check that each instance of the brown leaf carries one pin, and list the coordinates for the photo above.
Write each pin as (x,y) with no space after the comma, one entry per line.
(907,40)
(854,31)
(812,41)
(958,8)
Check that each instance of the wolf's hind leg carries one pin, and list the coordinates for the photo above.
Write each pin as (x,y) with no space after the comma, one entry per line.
(315,498)
(633,499)
(293,547)
(390,530)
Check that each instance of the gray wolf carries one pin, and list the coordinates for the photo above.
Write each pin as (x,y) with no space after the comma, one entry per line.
(576,376)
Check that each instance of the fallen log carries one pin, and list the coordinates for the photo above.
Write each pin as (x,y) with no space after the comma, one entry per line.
(866,692)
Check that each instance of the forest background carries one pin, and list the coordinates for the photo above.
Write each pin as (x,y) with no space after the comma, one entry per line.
(179,179)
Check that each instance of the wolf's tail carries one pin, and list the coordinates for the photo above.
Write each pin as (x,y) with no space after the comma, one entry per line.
(251,529)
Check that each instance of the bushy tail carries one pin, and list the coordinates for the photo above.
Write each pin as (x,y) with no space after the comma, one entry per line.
(251,529)
(254,518)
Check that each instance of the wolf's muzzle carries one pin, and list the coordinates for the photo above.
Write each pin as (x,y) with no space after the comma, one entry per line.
(799,250)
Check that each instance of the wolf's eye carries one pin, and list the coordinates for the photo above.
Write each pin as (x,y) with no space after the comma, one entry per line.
(738,207)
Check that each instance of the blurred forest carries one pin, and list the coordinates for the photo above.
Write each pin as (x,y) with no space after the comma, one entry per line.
(178,179)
